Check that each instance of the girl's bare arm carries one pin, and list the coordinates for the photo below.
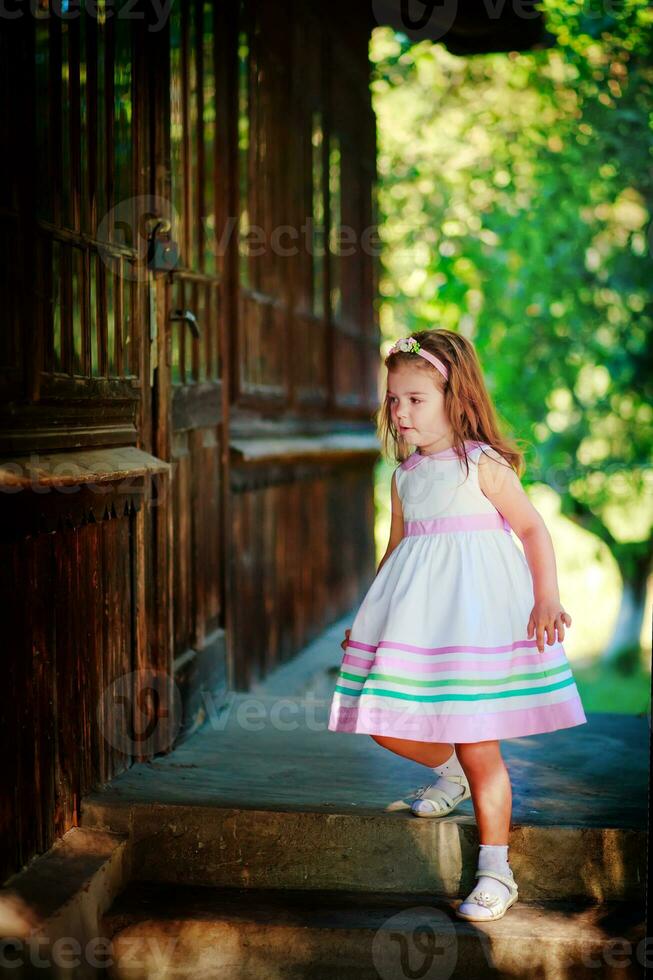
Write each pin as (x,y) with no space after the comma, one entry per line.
(503,488)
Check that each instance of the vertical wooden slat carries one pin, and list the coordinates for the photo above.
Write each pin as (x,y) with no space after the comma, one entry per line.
(86,313)
(93,300)
(92,117)
(110,282)
(123,122)
(245,590)
(198,525)
(213,111)
(64,783)
(197,134)
(186,217)
(256,172)
(45,298)
(110,640)
(74,134)
(65,306)
(94,616)
(257,610)
(110,54)
(65,127)
(209,338)
(128,330)
(234,573)
(123,626)
(118,286)
(139,579)
(84,120)
(102,274)
(104,111)
(9,711)
(213,554)
(182,331)
(25,796)
(76,675)
(195,288)
(182,563)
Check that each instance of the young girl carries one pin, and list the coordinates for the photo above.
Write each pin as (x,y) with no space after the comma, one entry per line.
(446,654)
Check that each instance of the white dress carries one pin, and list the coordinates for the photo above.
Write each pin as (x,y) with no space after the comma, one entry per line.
(438,650)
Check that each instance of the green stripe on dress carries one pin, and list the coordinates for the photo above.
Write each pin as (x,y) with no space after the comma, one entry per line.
(457,697)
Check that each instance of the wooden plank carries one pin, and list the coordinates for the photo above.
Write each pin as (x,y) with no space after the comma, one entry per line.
(67,748)
(110,57)
(92,537)
(10,694)
(94,466)
(74,134)
(339,443)
(200,527)
(118,314)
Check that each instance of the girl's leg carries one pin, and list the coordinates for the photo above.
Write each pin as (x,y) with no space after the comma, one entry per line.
(446,776)
(427,753)
(489,783)
(490,787)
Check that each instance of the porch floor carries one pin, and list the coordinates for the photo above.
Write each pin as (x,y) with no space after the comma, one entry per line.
(270,749)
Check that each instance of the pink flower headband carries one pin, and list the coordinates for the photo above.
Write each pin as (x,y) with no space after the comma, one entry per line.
(410,346)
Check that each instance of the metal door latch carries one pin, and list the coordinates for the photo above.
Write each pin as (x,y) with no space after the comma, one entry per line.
(189,318)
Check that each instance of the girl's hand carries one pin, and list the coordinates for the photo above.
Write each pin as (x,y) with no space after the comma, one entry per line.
(547,616)
(346,640)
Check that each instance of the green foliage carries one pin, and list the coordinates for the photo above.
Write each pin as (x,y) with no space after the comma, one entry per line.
(515,196)
(603,687)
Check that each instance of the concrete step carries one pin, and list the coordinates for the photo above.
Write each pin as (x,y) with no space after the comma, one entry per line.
(387,852)
(266,797)
(50,911)
(164,931)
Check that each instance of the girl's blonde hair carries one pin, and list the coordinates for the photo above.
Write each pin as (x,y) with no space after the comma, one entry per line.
(468,405)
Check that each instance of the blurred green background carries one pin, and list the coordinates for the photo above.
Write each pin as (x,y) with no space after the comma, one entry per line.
(514,204)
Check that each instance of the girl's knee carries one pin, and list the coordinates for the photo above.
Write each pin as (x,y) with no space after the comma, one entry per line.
(478,753)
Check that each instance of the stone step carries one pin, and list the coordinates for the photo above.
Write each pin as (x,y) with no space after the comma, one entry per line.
(163,931)
(264,796)
(386,852)
(50,910)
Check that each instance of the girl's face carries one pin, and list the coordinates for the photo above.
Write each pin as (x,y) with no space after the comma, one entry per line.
(417,407)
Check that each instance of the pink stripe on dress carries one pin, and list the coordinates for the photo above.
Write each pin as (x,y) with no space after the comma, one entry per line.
(554,659)
(457,522)
(411,648)
(372,720)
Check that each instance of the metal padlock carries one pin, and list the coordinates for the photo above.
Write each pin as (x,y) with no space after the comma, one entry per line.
(162,253)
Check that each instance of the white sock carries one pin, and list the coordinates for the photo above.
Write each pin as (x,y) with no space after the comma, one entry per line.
(491,857)
(452,767)
(451,787)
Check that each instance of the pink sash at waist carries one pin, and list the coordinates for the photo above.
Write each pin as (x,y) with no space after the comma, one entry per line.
(457,522)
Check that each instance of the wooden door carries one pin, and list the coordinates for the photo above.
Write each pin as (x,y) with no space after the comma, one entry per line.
(188,383)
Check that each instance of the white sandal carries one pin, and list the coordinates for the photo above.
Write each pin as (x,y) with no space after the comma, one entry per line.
(441,803)
(497,905)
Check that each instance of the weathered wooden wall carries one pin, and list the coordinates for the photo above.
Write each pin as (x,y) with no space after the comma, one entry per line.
(307,341)
(302,545)
(73,617)
(248,541)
